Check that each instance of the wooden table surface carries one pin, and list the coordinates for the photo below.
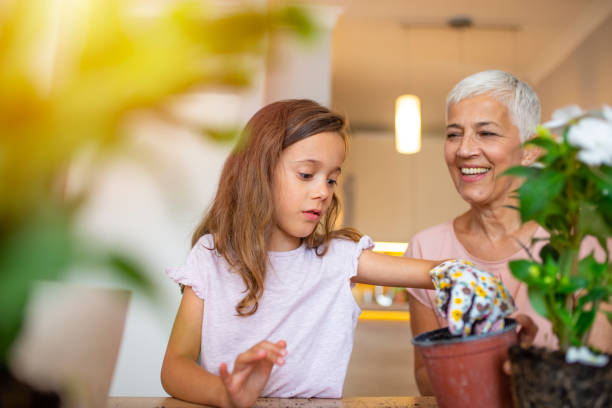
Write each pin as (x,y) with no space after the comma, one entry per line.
(353,402)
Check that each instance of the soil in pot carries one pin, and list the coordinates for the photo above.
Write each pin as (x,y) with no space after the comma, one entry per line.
(542,378)
(467,371)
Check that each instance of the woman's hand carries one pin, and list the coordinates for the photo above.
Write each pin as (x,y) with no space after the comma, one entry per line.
(251,372)
(526,336)
(470,300)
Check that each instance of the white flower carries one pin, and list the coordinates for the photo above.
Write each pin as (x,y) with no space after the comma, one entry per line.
(562,117)
(585,356)
(594,138)
(606,112)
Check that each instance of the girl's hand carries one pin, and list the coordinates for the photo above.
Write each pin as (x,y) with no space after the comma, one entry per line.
(470,300)
(251,372)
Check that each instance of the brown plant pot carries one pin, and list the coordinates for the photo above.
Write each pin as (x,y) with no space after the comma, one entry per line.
(467,371)
(542,378)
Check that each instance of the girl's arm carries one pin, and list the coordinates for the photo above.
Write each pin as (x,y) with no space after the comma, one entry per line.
(387,270)
(183,378)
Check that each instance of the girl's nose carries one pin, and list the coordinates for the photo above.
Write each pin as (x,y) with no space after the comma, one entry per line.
(322,190)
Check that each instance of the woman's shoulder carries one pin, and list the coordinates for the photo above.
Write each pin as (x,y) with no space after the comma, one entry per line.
(436,242)
(435,232)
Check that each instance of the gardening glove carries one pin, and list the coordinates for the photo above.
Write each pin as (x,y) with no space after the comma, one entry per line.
(470,300)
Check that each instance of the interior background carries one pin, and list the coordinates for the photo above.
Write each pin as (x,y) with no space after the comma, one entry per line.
(366,55)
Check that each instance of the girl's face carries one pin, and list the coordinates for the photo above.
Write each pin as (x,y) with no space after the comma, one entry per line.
(481,143)
(304,182)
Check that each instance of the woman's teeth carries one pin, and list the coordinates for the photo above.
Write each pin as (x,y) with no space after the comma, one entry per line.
(473,170)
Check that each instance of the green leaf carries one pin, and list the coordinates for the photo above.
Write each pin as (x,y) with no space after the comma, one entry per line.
(564,315)
(298,21)
(130,271)
(40,249)
(590,269)
(549,252)
(604,206)
(522,171)
(527,271)
(222,135)
(585,321)
(538,301)
(547,143)
(609,316)
(603,176)
(538,193)
(591,221)
(571,284)
(593,295)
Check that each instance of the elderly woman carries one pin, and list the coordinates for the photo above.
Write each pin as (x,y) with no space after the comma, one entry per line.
(489,115)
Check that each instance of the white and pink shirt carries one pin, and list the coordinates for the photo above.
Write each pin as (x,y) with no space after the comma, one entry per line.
(307,301)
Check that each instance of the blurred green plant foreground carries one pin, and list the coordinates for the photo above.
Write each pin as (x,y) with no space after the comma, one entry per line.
(69,73)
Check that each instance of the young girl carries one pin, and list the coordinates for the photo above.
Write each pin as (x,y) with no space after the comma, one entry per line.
(267,308)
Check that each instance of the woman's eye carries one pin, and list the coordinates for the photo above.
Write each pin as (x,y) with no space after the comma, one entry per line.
(305,176)
(332,182)
(487,134)
(451,135)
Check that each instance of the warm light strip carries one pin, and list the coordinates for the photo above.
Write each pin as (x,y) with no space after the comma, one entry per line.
(408,124)
(395,315)
(396,247)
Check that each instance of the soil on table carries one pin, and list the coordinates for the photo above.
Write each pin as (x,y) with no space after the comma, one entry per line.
(542,378)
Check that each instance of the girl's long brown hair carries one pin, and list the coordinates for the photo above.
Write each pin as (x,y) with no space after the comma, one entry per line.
(242,211)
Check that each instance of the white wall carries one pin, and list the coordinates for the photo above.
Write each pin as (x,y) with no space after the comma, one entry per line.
(583,78)
(396,195)
(302,69)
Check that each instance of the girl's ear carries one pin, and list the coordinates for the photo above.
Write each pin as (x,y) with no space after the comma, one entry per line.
(530,154)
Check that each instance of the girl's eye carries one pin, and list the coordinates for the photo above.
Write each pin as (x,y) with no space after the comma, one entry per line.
(332,182)
(305,176)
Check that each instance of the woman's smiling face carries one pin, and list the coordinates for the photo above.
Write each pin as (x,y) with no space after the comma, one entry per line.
(481,143)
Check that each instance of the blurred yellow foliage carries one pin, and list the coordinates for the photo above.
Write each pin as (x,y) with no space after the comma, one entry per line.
(69,72)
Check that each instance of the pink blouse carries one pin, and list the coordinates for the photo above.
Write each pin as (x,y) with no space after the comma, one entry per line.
(440,242)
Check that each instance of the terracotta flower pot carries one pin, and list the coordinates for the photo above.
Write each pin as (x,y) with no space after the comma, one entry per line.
(467,371)
(542,378)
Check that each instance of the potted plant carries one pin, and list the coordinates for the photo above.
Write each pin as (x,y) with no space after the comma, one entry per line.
(61,98)
(464,360)
(569,193)
(466,372)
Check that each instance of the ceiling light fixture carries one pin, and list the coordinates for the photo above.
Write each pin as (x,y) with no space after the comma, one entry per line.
(408,124)
(460,21)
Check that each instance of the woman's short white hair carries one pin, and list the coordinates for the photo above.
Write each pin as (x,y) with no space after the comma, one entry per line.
(519,98)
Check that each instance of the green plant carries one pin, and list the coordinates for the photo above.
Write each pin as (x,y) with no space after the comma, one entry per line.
(69,74)
(569,193)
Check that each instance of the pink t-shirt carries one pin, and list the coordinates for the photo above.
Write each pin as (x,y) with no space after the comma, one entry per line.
(440,242)
(307,301)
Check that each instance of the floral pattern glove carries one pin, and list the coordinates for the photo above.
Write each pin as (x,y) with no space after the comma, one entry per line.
(470,300)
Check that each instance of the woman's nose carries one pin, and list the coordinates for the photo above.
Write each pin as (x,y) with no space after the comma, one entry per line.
(468,146)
